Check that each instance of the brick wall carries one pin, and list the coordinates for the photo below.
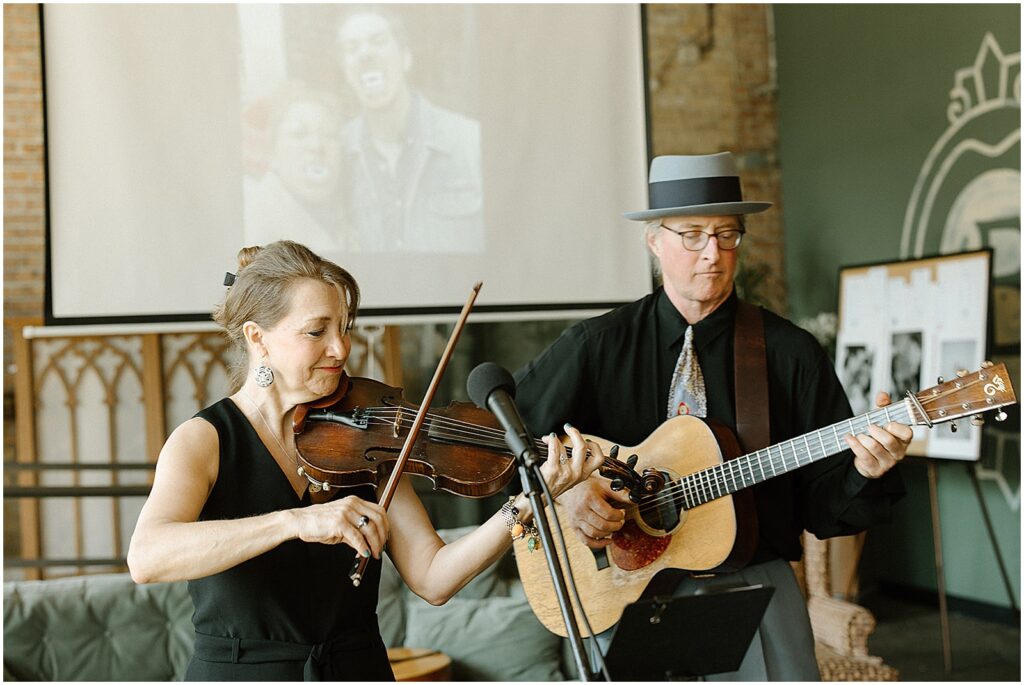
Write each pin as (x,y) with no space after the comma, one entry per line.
(24,206)
(24,196)
(712,88)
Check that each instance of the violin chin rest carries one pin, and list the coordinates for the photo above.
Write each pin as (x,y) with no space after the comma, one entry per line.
(301,411)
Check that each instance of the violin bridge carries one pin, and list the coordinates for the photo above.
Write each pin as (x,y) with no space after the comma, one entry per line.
(397,427)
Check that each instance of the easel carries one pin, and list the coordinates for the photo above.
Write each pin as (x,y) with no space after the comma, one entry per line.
(940,575)
(931,279)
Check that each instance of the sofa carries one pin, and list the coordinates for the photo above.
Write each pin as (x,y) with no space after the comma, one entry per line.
(107,628)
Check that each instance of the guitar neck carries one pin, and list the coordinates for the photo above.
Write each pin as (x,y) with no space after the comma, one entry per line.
(750,469)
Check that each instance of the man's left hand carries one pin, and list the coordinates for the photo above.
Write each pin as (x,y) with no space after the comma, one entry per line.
(878,452)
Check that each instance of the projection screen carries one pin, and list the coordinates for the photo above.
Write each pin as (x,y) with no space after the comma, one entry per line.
(423,147)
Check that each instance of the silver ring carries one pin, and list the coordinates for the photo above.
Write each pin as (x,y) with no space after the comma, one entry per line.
(362,522)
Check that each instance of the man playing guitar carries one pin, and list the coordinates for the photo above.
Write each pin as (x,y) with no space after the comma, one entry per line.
(621,375)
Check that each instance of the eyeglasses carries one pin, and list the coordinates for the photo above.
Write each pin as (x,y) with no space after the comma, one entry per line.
(695,241)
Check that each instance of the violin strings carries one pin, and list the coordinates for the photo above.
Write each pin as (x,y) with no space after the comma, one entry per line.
(466,429)
(463,429)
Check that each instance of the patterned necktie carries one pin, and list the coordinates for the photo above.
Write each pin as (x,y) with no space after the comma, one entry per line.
(686,393)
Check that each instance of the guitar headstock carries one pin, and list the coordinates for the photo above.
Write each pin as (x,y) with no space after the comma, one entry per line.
(967,395)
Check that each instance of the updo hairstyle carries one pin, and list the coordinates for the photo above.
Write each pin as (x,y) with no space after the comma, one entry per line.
(262,293)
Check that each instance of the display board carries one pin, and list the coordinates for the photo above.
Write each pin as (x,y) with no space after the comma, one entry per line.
(423,147)
(904,324)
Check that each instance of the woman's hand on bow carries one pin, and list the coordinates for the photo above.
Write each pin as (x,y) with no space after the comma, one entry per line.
(361,525)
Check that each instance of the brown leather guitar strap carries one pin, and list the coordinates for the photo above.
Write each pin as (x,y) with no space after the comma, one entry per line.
(751,378)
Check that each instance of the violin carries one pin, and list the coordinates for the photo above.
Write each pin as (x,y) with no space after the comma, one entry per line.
(354,437)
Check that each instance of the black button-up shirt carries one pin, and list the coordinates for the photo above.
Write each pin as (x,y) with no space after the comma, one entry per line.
(609,376)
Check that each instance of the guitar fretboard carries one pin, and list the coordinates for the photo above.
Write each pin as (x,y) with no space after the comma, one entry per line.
(750,469)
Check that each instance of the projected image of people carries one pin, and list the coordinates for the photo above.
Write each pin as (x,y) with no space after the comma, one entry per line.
(906,363)
(414,166)
(299,194)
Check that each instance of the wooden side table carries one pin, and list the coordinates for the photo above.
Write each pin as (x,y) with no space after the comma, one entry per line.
(417,663)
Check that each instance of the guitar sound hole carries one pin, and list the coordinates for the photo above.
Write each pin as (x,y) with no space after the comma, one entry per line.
(661,512)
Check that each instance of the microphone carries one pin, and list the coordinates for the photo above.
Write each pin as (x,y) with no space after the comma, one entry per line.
(491,387)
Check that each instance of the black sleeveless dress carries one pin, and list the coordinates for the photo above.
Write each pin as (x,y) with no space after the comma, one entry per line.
(290,613)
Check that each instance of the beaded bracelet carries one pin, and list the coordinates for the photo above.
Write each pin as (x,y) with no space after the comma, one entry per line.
(517,528)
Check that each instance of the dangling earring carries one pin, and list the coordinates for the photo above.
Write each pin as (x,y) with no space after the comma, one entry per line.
(264,374)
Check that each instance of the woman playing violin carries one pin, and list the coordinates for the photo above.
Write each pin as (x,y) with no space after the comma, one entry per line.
(267,559)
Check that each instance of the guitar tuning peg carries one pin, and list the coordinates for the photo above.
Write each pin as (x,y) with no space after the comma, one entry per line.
(1001,416)
(614,452)
(977,420)
(986,364)
(961,373)
(631,461)
(953,427)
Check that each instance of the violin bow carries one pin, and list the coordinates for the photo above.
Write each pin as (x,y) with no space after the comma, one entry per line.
(359,565)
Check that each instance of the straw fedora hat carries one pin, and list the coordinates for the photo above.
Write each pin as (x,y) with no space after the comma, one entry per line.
(695,185)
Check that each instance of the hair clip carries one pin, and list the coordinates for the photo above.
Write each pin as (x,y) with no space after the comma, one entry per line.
(229,279)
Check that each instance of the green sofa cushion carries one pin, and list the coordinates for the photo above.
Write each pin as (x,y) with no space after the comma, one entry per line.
(394,595)
(487,639)
(92,628)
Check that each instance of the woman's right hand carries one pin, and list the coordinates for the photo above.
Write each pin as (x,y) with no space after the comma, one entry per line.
(338,521)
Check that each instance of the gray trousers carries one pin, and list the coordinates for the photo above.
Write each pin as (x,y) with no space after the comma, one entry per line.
(783,645)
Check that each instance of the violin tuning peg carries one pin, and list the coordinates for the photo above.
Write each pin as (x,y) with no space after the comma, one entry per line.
(953,427)
(1001,416)
(617,484)
(961,373)
(977,420)
(631,461)
(986,364)
(614,452)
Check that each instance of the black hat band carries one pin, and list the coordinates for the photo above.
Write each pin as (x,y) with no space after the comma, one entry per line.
(695,191)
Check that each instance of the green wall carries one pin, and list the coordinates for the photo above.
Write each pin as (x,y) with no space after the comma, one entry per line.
(863,98)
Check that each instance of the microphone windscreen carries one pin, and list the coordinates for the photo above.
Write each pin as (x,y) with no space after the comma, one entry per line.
(485,379)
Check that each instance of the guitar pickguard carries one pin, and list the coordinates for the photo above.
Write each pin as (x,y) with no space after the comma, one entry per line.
(632,548)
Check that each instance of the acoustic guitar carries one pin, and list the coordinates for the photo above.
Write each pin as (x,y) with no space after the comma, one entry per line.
(693,521)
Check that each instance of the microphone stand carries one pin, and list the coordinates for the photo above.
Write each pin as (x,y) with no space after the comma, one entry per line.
(529,472)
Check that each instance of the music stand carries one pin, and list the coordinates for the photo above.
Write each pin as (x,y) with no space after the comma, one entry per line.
(680,638)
